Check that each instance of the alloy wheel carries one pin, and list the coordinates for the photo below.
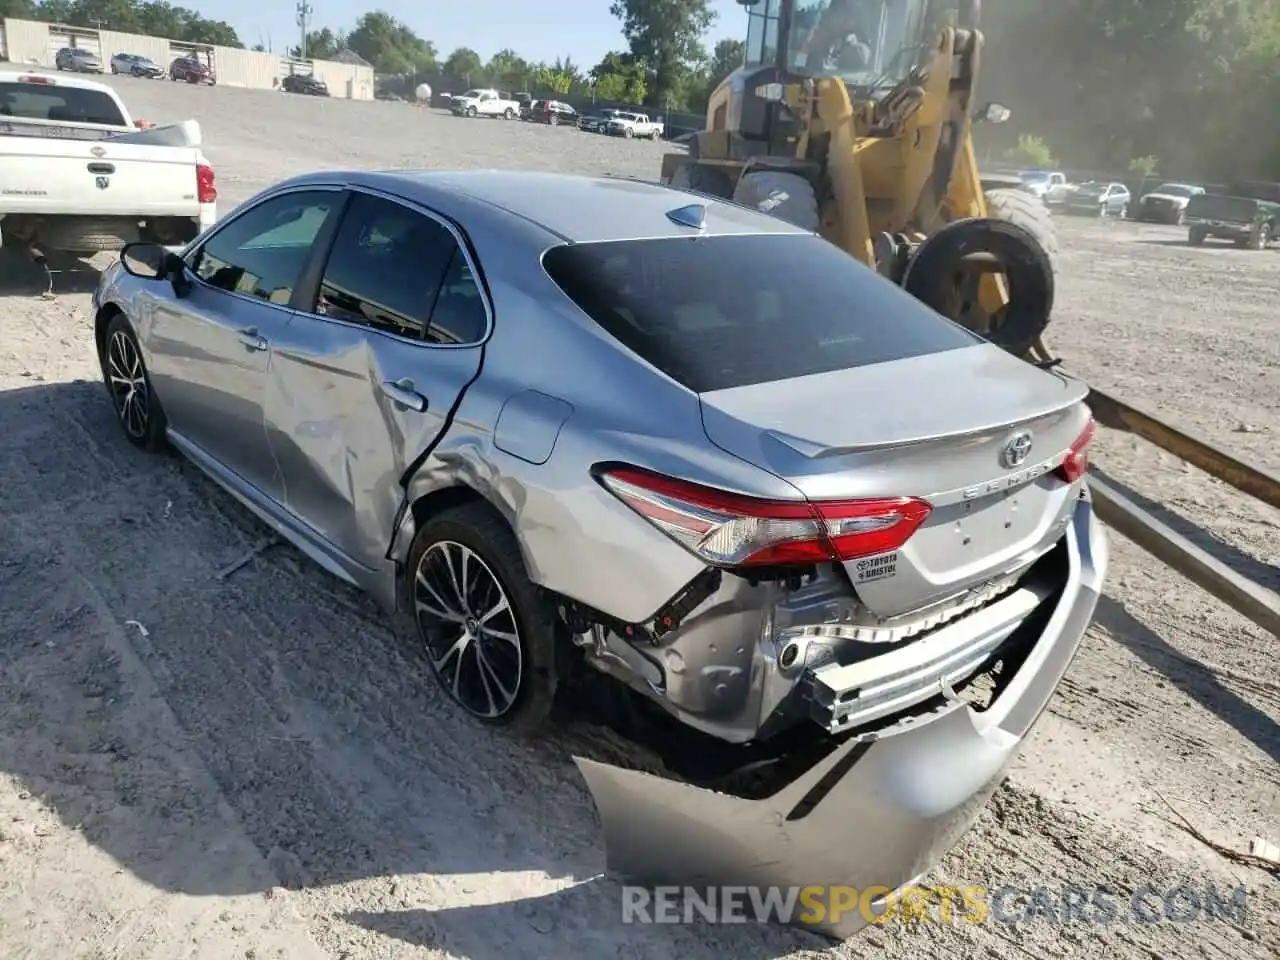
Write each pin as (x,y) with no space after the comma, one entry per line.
(470,630)
(128,382)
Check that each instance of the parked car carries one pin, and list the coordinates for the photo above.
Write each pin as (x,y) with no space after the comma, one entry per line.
(1167,203)
(1050,186)
(551,112)
(77,60)
(485,103)
(595,122)
(305,84)
(624,124)
(374,362)
(192,70)
(1251,223)
(135,65)
(1100,198)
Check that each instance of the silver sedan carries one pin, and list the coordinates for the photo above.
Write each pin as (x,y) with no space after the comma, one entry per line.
(563,421)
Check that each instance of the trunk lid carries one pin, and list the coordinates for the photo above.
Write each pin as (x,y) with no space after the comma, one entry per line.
(57,169)
(936,427)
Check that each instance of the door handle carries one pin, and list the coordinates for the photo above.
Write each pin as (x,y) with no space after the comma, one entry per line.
(252,340)
(402,392)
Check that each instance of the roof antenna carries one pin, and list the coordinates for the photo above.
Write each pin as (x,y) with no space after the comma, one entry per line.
(694,215)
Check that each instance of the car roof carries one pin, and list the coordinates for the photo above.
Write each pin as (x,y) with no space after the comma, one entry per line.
(53,80)
(578,209)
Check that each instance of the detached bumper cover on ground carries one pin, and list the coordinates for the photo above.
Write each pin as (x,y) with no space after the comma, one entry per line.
(877,812)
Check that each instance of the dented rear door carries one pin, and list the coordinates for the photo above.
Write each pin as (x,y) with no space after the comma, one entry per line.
(364,384)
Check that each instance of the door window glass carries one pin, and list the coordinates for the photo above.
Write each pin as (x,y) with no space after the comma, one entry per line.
(386,267)
(262,253)
(459,315)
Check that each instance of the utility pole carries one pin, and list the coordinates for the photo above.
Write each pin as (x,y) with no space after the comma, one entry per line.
(304,20)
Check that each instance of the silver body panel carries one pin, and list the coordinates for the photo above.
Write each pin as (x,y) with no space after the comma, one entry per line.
(290,411)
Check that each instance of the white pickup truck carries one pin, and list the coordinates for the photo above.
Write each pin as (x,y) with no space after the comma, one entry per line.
(78,174)
(485,103)
(630,125)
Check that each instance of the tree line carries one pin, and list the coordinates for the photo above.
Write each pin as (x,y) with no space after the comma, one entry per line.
(663,66)
(152,18)
(1177,88)
(1160,87)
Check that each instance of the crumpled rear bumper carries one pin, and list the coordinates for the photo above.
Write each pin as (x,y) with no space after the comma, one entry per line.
(877,812)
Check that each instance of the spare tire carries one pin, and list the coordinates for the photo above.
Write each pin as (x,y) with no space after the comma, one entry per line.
(703,178)
(1026,254)
(787,196)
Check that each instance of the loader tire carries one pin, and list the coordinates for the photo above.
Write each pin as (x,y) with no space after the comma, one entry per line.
(703,178)
(787,196)
(1030,214)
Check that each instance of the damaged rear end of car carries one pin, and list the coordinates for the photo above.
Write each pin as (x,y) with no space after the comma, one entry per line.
(873,630)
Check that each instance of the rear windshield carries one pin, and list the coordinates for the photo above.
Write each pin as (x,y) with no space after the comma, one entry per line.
(1173,190)
(39,101)
(719,312)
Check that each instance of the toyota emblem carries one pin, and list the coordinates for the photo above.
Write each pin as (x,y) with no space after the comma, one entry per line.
(1016,450)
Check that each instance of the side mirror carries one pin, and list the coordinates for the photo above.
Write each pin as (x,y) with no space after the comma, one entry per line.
(150,261)
(994,113)
(748,3)
(146,260)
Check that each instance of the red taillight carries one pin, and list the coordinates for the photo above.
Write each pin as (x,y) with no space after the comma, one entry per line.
(206,192)
(1077,463)
(732,530)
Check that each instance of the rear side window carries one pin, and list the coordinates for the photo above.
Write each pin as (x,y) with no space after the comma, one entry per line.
(719,312)
(42,101)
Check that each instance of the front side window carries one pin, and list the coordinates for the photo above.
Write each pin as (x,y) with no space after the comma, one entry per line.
(386,267)
(719,312)
(262,252)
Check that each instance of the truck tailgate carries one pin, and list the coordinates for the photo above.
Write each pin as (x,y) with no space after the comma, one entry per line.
(44,175)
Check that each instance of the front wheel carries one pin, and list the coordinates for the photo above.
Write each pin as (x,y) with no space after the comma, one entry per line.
(471,112)
(489,633)
(628,133)
(508,114)
(1124,211)
(1261,237)
(1196,236)
(125,374)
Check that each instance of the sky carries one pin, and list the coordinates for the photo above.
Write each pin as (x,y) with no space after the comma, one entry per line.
(581,29)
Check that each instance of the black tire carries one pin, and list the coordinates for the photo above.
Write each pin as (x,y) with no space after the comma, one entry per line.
(1260,239)
(508,114)
(471,113)
(703,178)
(787,196)
(150,434)
(1196,236)
(481,530)
(86,236)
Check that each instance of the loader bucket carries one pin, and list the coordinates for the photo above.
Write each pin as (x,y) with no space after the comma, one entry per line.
(867,820)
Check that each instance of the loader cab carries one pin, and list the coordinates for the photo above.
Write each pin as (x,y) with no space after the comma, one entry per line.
(873,45)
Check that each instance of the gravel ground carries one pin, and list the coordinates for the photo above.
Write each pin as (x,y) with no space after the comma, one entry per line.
(253,766)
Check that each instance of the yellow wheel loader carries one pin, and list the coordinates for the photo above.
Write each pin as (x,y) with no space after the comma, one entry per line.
(853,118)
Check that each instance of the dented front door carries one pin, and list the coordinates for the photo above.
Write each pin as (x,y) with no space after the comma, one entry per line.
(365,383)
